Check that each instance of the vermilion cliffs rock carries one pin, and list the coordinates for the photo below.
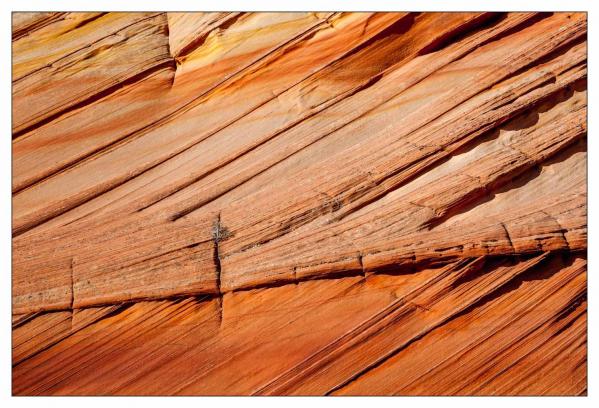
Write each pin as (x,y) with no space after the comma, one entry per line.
(299,203)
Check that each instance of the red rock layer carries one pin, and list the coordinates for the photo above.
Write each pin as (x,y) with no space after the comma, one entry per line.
(299,203)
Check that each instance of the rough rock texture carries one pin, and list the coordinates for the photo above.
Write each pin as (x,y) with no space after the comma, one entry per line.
(299,203)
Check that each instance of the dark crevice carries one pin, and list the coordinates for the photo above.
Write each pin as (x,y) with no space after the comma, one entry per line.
(561,229)
(531,332)
(220,166)
(514,180)
(519,27)
(404,306)
(225,23)
(480,23)
(373,366)
(89,20)
(360,261)
(89,100)
(491,126)
(487,132)
(350,273)
(37,25)
(72,300)
(397,28)
(178,111)
(216,236)
(542,270)
(569,310)
(167,33)
(507,235)
(219,233)
(89,45)
(157,123)
(26,318)
(159,255)
(387,270)
(117,310)
(556,53)
(394,30)
(533,273)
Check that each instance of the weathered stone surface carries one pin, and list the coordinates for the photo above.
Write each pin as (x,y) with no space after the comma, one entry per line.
(299,203)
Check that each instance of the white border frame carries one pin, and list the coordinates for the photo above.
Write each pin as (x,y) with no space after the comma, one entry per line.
(265,5)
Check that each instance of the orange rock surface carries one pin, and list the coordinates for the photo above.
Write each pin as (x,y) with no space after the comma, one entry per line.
(299,203)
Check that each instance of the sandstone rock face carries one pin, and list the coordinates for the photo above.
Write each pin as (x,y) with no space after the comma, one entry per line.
(299,203)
